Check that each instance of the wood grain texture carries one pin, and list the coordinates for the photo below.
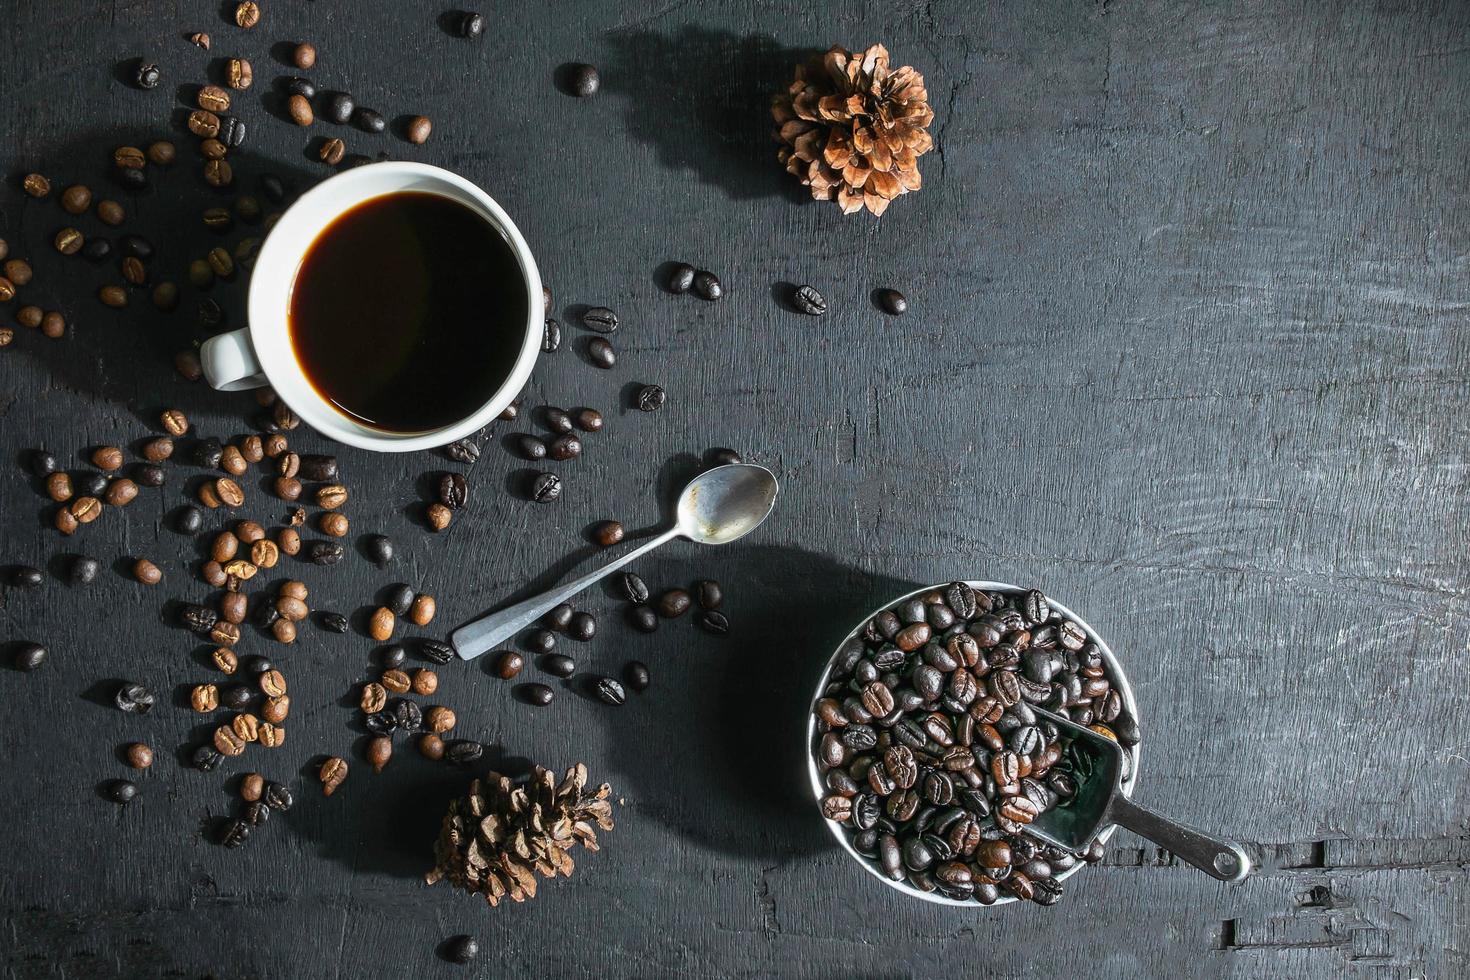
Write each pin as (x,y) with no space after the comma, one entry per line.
(1187,348)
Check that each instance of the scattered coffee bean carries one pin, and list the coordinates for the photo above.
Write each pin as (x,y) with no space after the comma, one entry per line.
(892,302)
(69,241)
(601,353)
(537,694)
(379,751)
(368,120)
(601,319)
(807,300)
(681,278)
(468,24)
(298,108)
(636,673)
(238,74)
(708,286)
(139,755)
(714,622)
(188,519)
(642,618)
(324,552)
(379,549)
(463,451)
(332,622)
(76,199)
(464,752)
(709,593)
(399,599)
(673,603)
(332,151)
(651,398)
(83,570)
(438,516)
(463,949)
(610,691)
(120,493)
(333,773)
(587,419)
(419,128)
(128,158)
(335,524)
(583,80)
(540,641)
(723,457)
(563,448)
(133,698)
(338,108)
(436,651)
(161,153)
(247,14)
(18,272)
(113,296)
(530,447)
(122,791)
(421,613)
(557,420)
(90,484)
(559,665)
(559,618)
(545,488)
(509,664)
(453,490)
(608,533)
(35,185)
(26,576)
(582,627)
(213,98)
(632,588)
(147,75)
(550,336)
(509,412)
(111,213)
(30,656)
(303,56)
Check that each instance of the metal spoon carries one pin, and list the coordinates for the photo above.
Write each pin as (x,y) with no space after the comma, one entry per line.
(1100,801)
(717,507)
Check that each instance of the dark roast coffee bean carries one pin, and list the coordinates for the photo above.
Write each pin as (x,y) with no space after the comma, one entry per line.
(563,448)
(636,673)
(235,833)
(332,622)
(714,622)
(381,723)
(892,301)
(463,451)
(122,791)
(651,398)
(608,533)
(642,618)
(368,120)
(237,697)
(559,665)
(256,813)
(454,490)
(545,488)
(317,468)
(296,85)
(399,598)
(537,694)
(89,484)
(807,300)
(583,81)
(601,319)
(97,249)
(550,336)
(540,641)
(132,178)
(379,548)
(632,588)
(681,278)
(393,657)
(673,603)
(407,714)
(149,475)
(26,576)
(582,627)
(231,131)
(83,570)
(709,593)
(207,453)
(147,75)
(559,618)
(601,353)
(464,949)
(137,246)
(324,552)
(338,108)
(556,419)
(530,447)
(723,457)
(206,758)
(42,463)
(610,691)
(29,656)
(464,752)
(189,519)
(133,698)
(707,286)
(436,651)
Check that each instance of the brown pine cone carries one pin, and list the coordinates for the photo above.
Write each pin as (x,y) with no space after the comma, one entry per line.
(853,130)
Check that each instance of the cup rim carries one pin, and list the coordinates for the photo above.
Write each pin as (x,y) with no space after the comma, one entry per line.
(1115,669)
(293,239)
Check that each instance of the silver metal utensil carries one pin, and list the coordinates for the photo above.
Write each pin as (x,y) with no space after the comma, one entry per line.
(1099,802)
(718,506)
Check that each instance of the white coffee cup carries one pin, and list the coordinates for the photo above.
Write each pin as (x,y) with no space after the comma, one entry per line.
(261,353)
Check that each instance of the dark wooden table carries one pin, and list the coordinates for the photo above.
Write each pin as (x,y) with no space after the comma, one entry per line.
(1187,348)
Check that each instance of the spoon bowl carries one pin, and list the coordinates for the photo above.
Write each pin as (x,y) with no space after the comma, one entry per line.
(726,503)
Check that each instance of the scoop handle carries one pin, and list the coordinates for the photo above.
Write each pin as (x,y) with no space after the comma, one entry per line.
(1214,856)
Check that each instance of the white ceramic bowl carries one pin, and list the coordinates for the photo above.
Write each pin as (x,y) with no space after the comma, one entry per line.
(819,790)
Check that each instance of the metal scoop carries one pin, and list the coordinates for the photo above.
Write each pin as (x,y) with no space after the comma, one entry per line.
(718,506)
(1100,801)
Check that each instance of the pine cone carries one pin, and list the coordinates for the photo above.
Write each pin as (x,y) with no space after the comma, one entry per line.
(499,836)
(854,130)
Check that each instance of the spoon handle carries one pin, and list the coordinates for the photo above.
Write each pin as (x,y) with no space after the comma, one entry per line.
(1219,858)
(488,632)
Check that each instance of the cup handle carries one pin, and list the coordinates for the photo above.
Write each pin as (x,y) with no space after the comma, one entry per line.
(230,363)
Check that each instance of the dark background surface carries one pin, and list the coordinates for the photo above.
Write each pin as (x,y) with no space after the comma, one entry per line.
(1187,348)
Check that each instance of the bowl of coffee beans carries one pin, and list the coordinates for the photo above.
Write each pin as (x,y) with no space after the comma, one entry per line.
(927,758)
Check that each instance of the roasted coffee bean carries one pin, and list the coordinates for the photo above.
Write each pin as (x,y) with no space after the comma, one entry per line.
(587,419)
(550,336)
(303,56)
(436,651)
(26,576)
(540,641)
(601,319)
(463,451)
(418,129)
(147,75)
(332,151)
(133,698)
(637,676)
(559,618)
(83,570)
(298,108)
(723,457)
(632,588)
(713,622)
(90,484)
(76,199)
(29,656)
(399,598)
(642,618)
(673,603)
(36,185)
(206,758)
(120,492)
(582,627)
(368,120)
(601,353)
(96,250)
(537,694)
(892,302)
(558,665)
(332,622)
(530,447)
(608,533)
(438,516)
(556,419)
(407,714)
(113,296)
(610,691)
(708,286)
(681,278)
(332,774)
(247,14)
(582,80)
(509,664)
(563,448)
(379,549)
(650,398)
(807,300)
(453,490)
(545,488)
(122,791)
(324,552)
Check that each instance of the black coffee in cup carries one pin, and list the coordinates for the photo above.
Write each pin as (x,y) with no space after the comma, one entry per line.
(408,312)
